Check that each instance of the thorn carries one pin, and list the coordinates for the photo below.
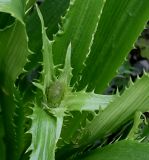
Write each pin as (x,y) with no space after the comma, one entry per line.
(38,85)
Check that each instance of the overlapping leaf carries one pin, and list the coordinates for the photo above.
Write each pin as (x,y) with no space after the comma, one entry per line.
(45,128)
(78,27)
(118,112)
(114,38)
(122,109)
(51,11)
(13,56)
(13,52)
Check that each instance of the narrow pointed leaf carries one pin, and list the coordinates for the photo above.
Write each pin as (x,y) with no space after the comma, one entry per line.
(66,74)
(48,66)
(116,33)
(122,109)
(83,101)
(57,9)
(43,132)
(135,128)
(51,12)
(78,27)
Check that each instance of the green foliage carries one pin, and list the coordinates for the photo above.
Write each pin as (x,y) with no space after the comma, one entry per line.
(123,149)
(15,7)
(42,147)
(55,59)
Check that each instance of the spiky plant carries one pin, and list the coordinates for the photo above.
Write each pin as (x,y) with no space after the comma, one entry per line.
(53,79)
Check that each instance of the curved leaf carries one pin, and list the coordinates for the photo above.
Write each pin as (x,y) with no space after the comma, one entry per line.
(114,38)
(13,52)
(13,55)
(51,12)
(122,109)
(78,27)
(15,7)
(121,150)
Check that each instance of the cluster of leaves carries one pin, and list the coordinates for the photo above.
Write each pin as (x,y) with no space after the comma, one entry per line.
(56,60)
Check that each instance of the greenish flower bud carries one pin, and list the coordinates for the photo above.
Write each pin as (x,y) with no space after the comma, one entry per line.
(55,94)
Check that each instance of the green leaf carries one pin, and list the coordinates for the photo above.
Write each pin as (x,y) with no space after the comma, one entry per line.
(48,66)
(52,19)
(135,128)
(13,53)
(15,7)
(74,122)
(72,127)
(83,101)
(30,3)
(13,41)
(122,109)
(108,121)
(121,150)
(19,120)
(13,56)
(114,38)
(57,8)
(43,132)
(44,148)
(78,27)
(66,75)
(140,128)
(8,106)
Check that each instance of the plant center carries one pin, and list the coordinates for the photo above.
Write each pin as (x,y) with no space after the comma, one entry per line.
(55,94)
